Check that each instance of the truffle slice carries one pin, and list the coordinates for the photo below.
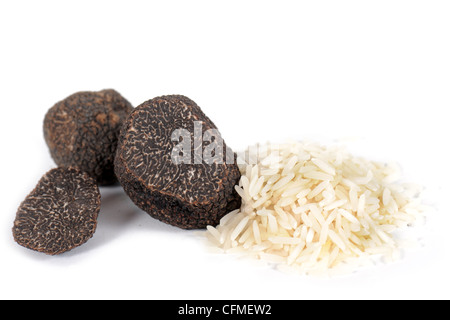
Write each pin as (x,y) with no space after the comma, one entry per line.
(82,131)
(175,185)
(60,213)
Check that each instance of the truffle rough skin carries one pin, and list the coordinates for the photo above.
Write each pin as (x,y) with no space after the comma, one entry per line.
(60,213)
(189,196)
(82,131)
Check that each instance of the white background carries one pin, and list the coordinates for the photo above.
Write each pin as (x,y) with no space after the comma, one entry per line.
(376,71)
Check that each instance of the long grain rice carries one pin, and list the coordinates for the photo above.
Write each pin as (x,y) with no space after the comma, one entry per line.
(316,209)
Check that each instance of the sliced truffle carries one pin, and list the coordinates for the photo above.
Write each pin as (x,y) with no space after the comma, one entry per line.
(82,131)
(60,213)
(188,192)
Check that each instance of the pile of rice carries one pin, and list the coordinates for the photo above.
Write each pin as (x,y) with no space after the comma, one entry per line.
(314,209)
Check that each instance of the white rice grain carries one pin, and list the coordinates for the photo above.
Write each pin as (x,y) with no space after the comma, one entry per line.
(316,209)
(325,167)
(239,228)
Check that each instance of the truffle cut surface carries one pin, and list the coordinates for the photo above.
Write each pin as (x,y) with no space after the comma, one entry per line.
(60,213)
(189,194)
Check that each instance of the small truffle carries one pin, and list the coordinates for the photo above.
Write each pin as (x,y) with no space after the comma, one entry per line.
(185,191)
(60,213)
(82,131)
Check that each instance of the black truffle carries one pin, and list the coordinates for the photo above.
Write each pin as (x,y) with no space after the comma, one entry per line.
(82,131)
(179,188)
(60,213)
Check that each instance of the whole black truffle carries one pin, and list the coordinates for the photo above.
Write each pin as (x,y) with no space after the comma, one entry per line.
(82,131)
(60,213)
(175,185)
